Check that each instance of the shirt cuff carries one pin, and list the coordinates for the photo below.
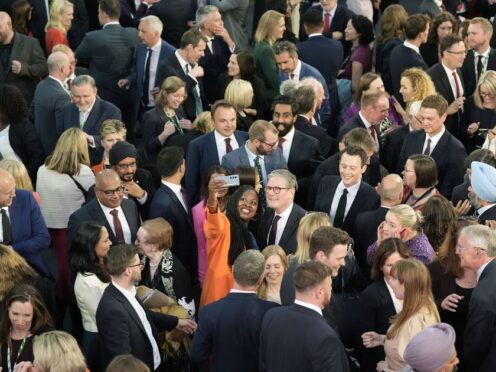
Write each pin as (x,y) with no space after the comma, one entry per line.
(143,199)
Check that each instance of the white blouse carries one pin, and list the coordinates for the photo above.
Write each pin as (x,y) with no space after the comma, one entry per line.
(88,290)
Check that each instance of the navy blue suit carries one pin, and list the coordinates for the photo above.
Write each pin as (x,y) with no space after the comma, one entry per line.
(29,231)
(402,58)
(328,145)
(213,65)
(230,350)
(468,70)
(449,155)
(202,153)
(165,204)
(391,148)
(355,122)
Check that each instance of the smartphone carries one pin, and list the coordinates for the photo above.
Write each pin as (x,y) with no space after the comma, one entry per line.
(232,180)
(483,132)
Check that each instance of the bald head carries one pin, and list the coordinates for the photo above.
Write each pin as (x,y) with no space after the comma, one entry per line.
(391,190)
(7,188)
(58,62)
(108,188)
(105,176)
(6,32)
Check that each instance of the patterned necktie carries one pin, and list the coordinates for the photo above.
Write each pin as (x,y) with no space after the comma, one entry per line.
(228,145)
(119,233)
(427,150)
(258,167)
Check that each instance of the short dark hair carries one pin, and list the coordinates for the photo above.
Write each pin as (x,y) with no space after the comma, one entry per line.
(119,258)
(386,249)
(312,19)
(110,7)
(249,267)
(436,102)
(285,100)
(193,36)
(246,63)
(355,151)
(13,105)
(310,274)
(448,41)
(364,28)
(221,104)
(415,25)
(169,160)
(325,238)
(247,175)
(425,170)
(305,99)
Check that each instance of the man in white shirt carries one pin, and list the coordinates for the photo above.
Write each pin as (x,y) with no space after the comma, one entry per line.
(124,325)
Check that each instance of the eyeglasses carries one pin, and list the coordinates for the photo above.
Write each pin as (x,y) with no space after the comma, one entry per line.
(459,248)
(141,265)
(125,166)
(464,53)
(271,145)
(118,190)
(275,189)
(485,94)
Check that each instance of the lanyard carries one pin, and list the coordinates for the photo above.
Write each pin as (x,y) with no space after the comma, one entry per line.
(175,121)
(21,348)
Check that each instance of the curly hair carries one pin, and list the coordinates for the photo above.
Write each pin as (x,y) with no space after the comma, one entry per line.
(422,84)
(13,105)
(436,22)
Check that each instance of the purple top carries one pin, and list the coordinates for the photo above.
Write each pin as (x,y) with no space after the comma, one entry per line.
(362,54)
(394,117)
(419,246)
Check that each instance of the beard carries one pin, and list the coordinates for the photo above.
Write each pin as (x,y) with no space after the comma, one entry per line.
(474,200)
(283,128)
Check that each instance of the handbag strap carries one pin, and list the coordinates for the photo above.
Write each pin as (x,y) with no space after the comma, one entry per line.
(85,193)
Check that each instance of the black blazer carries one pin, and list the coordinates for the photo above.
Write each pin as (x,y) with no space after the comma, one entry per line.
(288,237)
(402,58)
(215,339)
(121,330)
(144,179)
(450,168)
(92,212)
(309,343)
(391,148)
(304,156)
(365,200)
(490,214)
(382,54)
(355,122)
(468,69)
(165,204)
(213,65)
(443,87)
(328,144)
(338,23)
(171,67)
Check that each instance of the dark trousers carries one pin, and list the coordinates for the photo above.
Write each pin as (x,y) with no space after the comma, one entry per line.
(90,346)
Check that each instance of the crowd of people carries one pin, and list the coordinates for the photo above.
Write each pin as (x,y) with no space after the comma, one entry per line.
(267,185)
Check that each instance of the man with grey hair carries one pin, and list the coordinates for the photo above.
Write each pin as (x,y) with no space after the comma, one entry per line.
(150,52)
(50,98)
(240,310)
(280,220)
(234,16)
(88,111)
(219,47)
(476,248)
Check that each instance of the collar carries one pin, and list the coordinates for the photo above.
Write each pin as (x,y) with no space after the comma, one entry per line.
(251,155)
(315,34)
(485,208)
(173,186)
(485,54)
(110,23)
(297,70)
(352,190)
(219,137)
(89,108)
(309,306)
(182,62)
(411,46)
(129,294)
(330,11)
(286,213)
(57,80)
(157,46)
(449,71)
(436,137)
(240,291)
(106,210)
(481,269)
(289,136)
(365,121)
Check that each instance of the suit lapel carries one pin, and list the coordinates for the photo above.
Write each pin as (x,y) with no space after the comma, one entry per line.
(328,200)
(131,218)
(446,83)
(101,217)
(440,146)
(243,157)
(211,149)
(129,308)
(290,227)
(92,119)
(357,202)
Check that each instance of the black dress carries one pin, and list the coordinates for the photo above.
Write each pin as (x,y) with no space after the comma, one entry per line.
(473,114)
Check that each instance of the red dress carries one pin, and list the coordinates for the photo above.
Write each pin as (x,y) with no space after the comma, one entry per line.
(54,36)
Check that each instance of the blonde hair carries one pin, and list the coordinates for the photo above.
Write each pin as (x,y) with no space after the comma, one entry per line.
(421,83)
(57,11)
(407,216)
(239,92)
(269,251)
(204,122)
(488,79)
(70,153)
(112,126)
(13,269)
(484,23)
(266,24)
(58,351)
(416,280)
(170,85)
(308,224)
(17,169)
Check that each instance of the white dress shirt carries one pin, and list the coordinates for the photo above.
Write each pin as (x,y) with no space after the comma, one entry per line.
(251,159)
(187,70)
(485,59)
(434,140)
(176,189)
(83,115)
(309,306)
(221,144)
(153,70)
(286,145)
(398,304)
(367,126)
(5,147)
(451,79)
(110,219)
(281,224)
(411,46)
(296,72)
(350,197)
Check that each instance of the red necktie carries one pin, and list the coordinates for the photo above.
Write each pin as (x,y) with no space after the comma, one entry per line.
(457,85)
(119,233)
(327,21)
(281,141)
(427,150)
(373,133)
(228,145)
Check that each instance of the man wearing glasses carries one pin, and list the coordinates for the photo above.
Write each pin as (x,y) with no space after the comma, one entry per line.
(119,215)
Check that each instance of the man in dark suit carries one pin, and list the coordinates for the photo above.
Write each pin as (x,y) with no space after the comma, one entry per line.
(448,80)
(260,151)
(481,57)
(184,64)
(482,191)
(23,227)
(120,216)
(393,142)
(138,182)
(208,149)
(171,203)
(301,152)
(151,51)
(50,99)
(242,310)
(309,343)
(87,111)
(436,141)
(346,196)
(80,23)
(218,50)
(366,223)
(22,61)
(125,326)
(109,53)
(407,54)
(476,248)
(279,222)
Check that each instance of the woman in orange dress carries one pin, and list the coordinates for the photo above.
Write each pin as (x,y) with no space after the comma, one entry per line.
(227,236)
(61,15)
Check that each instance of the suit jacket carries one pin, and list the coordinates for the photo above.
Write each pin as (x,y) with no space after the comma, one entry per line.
(92,212)
(144,179)
(402,58)
(480,333)
(202,153)
(80,24)
(328,145)
(391,148)
(288,237)
(234,14)
(365,200)
(309,343)
(29,231)
(26,50)
(101,111)
(121,330)
(443,87)
(172,67)
(230,351)
(468,69)
(338,23)
(165,204)
(450,169)
(382,54)
(214,64)
(305,155)
(38,21)
(490,214)
(355,122)
(238,157)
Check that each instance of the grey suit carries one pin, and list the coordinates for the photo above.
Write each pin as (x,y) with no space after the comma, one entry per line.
(49,101)
(234,17)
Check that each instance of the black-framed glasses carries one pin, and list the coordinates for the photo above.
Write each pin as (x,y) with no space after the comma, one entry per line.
(126,166)
(458,53)
(141,265)
(118,190)
(275,189)
(271,145)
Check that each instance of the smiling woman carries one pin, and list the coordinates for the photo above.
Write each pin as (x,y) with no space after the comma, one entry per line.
(276,264)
